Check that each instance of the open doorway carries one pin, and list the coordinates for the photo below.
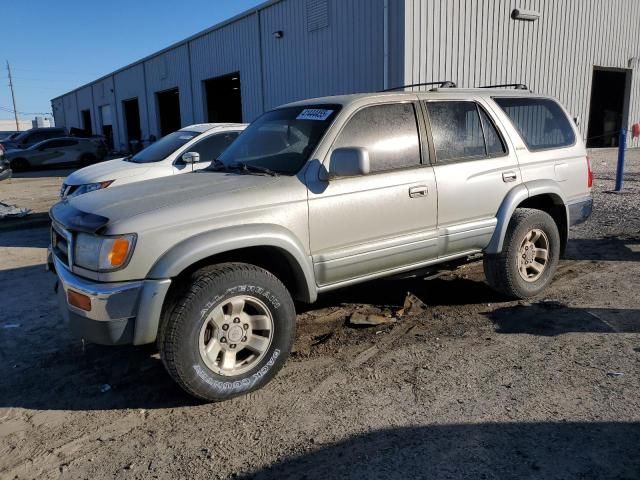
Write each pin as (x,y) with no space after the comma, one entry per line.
(169,111)
(86,122)
(609,110)
(132,124)
(223,99)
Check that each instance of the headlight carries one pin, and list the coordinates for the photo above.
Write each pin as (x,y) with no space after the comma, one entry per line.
(90,187)
(103,254)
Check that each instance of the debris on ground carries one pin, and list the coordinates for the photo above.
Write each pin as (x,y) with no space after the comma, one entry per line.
(369,320)
(412,306)
(320,339)
(615,374)
(12,211)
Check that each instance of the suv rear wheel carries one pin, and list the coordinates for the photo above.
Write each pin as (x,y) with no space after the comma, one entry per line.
(229,333)
(529,255)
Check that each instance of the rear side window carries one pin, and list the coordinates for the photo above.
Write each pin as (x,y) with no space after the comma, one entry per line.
(541,122)
(212,147)
(463,131)
(388,132)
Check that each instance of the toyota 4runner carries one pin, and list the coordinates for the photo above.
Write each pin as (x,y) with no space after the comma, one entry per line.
(314,196)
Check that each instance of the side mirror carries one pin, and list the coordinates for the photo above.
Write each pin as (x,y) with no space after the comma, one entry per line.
(349,162)
(191,157)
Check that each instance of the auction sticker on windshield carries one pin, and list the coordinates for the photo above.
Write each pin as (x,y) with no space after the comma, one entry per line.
(317,114)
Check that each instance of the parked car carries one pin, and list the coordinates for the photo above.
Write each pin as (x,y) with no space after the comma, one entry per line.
(171,155)
(5,167)
(315,196)
(58,151)
(9,136)
(32,136)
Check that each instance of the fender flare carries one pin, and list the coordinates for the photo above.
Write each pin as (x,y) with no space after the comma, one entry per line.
(199,247)
(514,198)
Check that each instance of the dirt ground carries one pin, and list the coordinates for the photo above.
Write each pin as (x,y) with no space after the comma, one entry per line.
(36,190)
(472,387)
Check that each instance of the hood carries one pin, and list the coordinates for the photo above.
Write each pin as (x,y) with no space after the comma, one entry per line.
(103,171)
(203,190)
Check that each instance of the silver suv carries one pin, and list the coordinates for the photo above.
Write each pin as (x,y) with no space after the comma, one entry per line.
(314,196)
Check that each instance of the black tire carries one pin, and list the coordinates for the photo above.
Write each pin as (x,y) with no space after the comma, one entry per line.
(179,337)
(19,165)
(88,159)
(502,270)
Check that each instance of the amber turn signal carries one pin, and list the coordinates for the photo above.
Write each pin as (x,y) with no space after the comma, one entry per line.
(79,300)
(119,251)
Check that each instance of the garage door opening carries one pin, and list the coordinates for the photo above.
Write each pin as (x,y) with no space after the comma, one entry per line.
(169,111)
(132,123)
(609,111)
(223,99)
(86,122)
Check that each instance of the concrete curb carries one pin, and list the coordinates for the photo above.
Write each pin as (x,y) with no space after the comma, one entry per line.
(36,220)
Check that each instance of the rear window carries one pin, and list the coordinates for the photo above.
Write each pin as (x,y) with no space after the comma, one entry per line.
(541,122)
(463,131)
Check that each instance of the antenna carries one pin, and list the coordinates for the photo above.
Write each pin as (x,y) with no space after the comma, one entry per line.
(13,97)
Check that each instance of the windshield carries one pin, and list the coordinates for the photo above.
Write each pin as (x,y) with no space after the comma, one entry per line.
(158,151)
(281,140)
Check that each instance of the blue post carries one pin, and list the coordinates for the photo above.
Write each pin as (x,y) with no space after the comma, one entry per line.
(622,147)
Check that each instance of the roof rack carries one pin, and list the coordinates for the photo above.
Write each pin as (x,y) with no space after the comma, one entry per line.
(441,84)
(517,86)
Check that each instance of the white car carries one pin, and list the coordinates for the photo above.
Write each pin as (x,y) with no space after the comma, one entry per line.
(189,149)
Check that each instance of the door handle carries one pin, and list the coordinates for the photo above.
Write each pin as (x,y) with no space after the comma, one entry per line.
(419,191)
(509,177)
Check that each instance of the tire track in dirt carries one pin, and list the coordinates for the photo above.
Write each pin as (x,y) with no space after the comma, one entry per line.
(49,462)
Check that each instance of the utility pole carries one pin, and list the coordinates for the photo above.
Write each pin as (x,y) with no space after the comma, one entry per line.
(13,97)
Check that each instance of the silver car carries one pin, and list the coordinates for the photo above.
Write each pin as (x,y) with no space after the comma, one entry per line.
(315,196)
(57,151)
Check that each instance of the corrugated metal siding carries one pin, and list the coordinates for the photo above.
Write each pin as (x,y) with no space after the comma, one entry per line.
(476,42)
(345,57)
(228,50)
(164,72)
(71,113)
(104,94)
(130,84)
(57,107)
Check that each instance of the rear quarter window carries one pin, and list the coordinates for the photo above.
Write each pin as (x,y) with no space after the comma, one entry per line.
(541,122)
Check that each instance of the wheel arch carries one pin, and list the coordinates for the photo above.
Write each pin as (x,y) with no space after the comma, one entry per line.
(544,195)
(270,247)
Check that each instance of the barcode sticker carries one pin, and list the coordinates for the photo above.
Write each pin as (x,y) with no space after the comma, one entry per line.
(317,114)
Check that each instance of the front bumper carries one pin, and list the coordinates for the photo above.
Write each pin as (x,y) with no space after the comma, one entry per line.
(120,313)
(5,174)
(580,211)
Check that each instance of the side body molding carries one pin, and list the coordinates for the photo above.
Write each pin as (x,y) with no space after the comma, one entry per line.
(186,253)
(514,198)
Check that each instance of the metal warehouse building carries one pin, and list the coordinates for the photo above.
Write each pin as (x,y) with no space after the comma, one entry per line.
(584,52)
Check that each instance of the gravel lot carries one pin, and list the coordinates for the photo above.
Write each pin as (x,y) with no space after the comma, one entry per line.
(471,387)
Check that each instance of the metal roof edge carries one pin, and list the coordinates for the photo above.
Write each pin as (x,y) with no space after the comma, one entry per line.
(202,33)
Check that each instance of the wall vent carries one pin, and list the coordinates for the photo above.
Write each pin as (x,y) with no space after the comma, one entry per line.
(317,14)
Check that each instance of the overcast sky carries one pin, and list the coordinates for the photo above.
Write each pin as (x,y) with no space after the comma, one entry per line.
(54,47)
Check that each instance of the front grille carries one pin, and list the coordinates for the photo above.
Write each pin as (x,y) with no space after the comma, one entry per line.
(61,244)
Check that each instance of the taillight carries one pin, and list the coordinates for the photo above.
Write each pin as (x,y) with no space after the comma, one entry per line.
(589,173)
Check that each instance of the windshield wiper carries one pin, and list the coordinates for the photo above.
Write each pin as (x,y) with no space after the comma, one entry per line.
(247,168)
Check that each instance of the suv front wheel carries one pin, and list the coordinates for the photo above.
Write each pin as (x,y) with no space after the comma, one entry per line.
(229,333)
(529,256)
